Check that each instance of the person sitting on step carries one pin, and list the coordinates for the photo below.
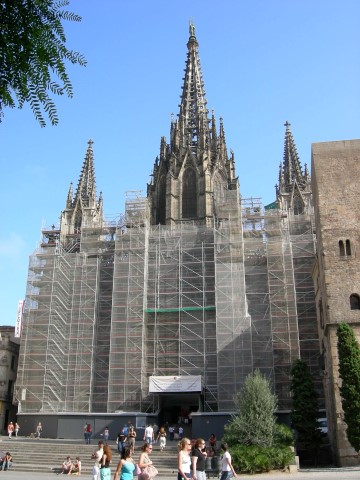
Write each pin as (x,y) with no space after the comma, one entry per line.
(67,466)
(6,461)
(76,469)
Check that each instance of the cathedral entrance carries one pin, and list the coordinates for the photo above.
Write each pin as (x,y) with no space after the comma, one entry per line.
(178,396)
(176,409)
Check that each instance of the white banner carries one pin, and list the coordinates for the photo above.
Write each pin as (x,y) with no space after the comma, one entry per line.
(184,383)
(18,323)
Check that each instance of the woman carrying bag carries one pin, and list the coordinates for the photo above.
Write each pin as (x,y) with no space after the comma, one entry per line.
(148,471)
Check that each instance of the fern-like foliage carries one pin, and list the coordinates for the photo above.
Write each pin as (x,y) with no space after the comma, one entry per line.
(33,54)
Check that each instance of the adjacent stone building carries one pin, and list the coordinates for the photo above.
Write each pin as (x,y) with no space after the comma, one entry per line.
(335,186)
(9,356)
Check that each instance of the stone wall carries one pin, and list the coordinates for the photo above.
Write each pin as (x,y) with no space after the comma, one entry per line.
(336,193)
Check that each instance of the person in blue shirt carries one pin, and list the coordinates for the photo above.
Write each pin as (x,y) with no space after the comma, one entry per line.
(126,466)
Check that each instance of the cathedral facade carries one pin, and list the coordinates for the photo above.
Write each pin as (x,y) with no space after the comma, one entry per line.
(169,308)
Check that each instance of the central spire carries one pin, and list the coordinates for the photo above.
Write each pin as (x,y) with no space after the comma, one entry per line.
(193,172)
(193,119)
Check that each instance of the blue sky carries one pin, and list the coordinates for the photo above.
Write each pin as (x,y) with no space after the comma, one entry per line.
(263,62)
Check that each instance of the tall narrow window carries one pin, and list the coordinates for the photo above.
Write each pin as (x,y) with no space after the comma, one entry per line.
(161,201)
(321,314)
(10,386)
(189,194)
(298,204)
(354,301)
(348,248)
(341,248)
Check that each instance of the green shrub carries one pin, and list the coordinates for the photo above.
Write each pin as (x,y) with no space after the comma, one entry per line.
(254,424)
(255,459)
(305,409)
(349,370)
(283,435)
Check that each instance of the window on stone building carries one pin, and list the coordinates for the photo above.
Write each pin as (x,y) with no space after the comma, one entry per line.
(354,301)
(348,248)
(345,248)
(341,248)
(189,194)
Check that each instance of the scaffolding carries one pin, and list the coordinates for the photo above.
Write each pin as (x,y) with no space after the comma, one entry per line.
(63,364)
(112,304)
(279,255)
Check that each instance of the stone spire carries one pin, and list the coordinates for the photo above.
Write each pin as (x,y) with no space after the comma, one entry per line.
(70,196)
(86,189)
(193,172)
(291,168)
(294,189)
(193,120)
(83,209)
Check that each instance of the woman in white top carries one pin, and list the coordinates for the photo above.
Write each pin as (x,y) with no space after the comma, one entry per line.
(227,470)
(162,438)
(184,459)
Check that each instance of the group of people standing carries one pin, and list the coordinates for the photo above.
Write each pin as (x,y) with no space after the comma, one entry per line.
(149,436)
(126,438)
(192,461)
(126,466)
(13,428)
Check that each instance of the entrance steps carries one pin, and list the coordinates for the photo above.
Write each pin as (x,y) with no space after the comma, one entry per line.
(47,455)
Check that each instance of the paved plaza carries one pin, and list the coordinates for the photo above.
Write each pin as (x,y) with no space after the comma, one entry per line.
(349,473)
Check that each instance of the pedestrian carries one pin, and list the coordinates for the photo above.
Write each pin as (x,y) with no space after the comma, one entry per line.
(181,432)
(87,433)
(171,433)
(226,466)
(16,429)
(38,430)
(126,466)
(148,471)
(162,438)
(149,434)
(212,440)
(121,443)
(106,434)
(198,458)
(184,459)
(131,437)
(105,472)
(10,429)
(97,456)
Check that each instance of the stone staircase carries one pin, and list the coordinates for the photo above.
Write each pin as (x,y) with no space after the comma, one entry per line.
(47,455)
